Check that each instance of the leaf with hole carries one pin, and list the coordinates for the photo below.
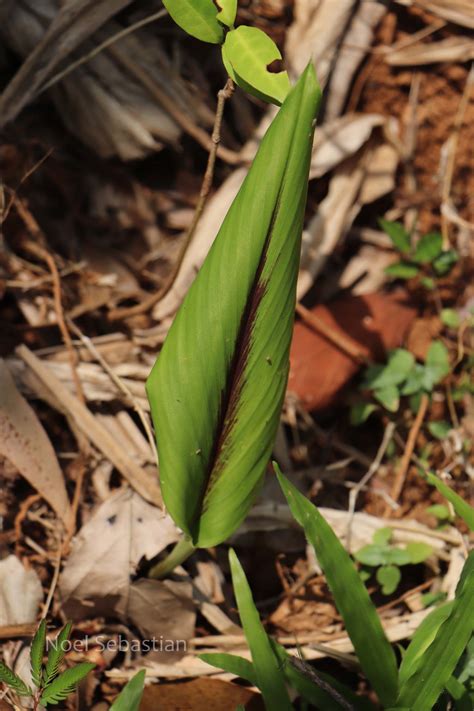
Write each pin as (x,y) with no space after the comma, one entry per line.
(218,384)
(363,625)
(198,18)
(247,53)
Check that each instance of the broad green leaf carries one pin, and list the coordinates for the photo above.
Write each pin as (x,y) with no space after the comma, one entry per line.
(461,507)
(445,262)
(397,233)
(269,677)
(450,318)
(65,683)
(382,536)
(218,384)
(439,429)
(198,18)
(422,688)
(361,411)
(389,397)
(397,556)
(247,52)
(131,695)
(399,365)
(56,653)
(402,270)
(428,248)
(436,365)
(8,677)
(363,625)
(37,653)
(418,551)
(388,576)
(228,12)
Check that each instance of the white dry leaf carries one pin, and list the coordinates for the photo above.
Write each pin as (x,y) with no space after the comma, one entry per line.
(106,552)
(24,442)
(451,49)
(21,593)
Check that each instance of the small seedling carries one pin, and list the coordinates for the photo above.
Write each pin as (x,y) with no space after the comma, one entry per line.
(50,685)
(387,559)
(425,259)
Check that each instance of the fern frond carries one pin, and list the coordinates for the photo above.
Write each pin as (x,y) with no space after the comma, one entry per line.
(37,653)
(13,681)
(63,685)
(56,654)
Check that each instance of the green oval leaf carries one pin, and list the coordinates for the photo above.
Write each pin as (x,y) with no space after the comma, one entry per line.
(247,52)
(217,387)
(363,625)
(388,576)
(228,12)
(198,18)
(400,237)
(428,248)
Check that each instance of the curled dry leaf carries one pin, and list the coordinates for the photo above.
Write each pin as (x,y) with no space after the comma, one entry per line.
(20,593)
(25,444)
(107,551)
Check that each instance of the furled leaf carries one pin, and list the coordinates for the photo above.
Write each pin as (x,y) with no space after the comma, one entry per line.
(131,695)
(363,625)
(397,233)
(56,653)
(13,681)
(66,683)
(37,653)
(436,665)
(269,677)
(388,576)
(428,248)
(461,507)
(247,52)
(228,12)
(219,381)
(198,18)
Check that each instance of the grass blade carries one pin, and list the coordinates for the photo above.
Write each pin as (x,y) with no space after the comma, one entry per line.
(461,507)
(435,667)
(270,678)
(233,664)
(131,695)
(363,625)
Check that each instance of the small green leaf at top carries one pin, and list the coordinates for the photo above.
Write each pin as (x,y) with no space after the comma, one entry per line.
(402,270)
(198,18)
(360,412)
(439,511)
(247,52)
(388,577)
(450,318)
(397,233)
(428,248)
(418,551)
(445,262)
(228,12)
(439,429)
(382,536)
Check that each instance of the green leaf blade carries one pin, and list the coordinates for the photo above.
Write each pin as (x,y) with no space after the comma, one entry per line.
(461,507)
(428,248)
(8,677)
(228,12)
(131,695)
(247,52)
(198,18)
(56,653)
(363,625)
(400,237)
(218,384)
(269,676)
(37,652)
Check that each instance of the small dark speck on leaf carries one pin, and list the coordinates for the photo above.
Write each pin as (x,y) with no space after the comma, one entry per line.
(269,360)
(112,520)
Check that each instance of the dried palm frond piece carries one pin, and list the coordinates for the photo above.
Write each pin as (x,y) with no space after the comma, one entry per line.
(451,49)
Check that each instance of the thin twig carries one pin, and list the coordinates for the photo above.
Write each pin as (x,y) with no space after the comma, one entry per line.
(410,446)
(42,253)
(148,303)
(119,383)
(100,48)
(354,493)
(54,581)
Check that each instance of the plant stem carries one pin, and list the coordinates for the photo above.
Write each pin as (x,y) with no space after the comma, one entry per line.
(182,550)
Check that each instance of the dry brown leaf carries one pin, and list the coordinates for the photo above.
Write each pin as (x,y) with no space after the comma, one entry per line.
(107,550)
(25,444)
(200,695)
(20,593)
